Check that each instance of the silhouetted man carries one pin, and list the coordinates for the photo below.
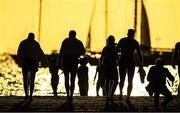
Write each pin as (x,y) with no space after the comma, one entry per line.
(157,83)
(70,51)
(176,58)
(127,46)
(30,54)
(109,61)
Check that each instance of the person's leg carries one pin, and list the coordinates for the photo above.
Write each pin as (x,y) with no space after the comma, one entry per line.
(66,78)
(114,87)
(111,86)
(33,73)
(168,97)
(97,87)
(130,80)
(25,74)
(122,74)
(54,83)
(106,89)
(179,78)
(73,76)
(156,100)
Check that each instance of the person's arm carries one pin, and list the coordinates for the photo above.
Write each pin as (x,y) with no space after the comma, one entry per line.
(140,55)
(174,57)
(95,74)
(169,75)
(149,74)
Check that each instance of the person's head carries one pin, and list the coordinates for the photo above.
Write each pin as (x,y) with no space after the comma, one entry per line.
(131,33)
(159,62)
(72,33)
(110,40)
(83,61)
(31,36)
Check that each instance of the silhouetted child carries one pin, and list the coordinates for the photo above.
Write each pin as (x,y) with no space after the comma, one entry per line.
(100,80)
(82,74)
(157,83)
(53,68)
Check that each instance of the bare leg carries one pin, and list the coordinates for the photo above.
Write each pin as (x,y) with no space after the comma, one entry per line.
(130,80)
(122,71)
(179,78)
(66,77)
(32,83)
(156,100)
(25,74)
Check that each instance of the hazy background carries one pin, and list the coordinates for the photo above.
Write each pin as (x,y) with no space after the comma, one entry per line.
(19,17)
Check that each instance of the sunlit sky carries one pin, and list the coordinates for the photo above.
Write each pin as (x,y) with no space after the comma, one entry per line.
(19,17)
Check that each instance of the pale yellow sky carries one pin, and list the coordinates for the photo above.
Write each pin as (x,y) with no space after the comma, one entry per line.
(18,17)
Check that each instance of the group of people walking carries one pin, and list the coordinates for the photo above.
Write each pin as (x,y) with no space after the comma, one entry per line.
(122,55)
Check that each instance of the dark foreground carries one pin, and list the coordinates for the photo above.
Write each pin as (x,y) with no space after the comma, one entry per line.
(58,104)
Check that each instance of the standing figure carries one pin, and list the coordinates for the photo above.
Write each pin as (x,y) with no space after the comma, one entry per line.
(31,55)
(100,80)
(157,83)
(82,74)
(109,60)
(127,46)
(71,50)
(176,58)
(53,69)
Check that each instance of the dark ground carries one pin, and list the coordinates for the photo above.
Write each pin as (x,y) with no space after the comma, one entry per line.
(83,104)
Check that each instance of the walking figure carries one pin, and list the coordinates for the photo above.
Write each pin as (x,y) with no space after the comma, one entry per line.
(31,56)
(176,59)
(109,60)
(53,69)
(71,50)
(127,47)
(82,74)
(157,83)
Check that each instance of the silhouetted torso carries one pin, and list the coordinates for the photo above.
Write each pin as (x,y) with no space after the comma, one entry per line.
(71,49)
(127,47)
(157,76)
(83,80)
(109,55)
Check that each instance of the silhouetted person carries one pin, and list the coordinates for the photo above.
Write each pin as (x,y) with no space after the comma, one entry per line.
(31,55)
(82,74)
(100,80)
(54,68)
(127,47)
(176,58)
(157,82)
(109,60)
(70,51)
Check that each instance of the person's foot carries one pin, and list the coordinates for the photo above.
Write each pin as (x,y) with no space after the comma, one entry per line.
(31,99)
(55,93)
(127,100)
(26,97)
